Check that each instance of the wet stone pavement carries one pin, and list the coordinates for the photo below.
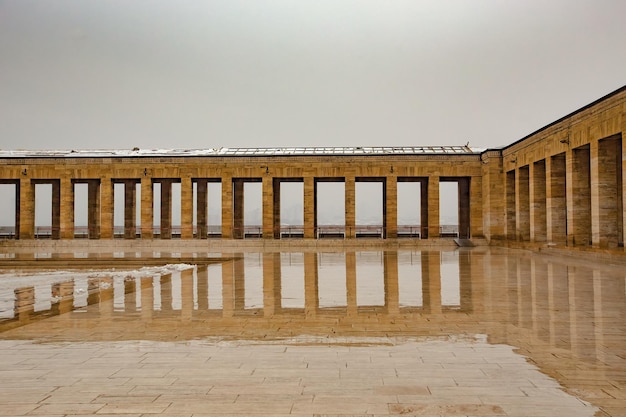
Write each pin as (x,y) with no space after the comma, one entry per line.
(470,332)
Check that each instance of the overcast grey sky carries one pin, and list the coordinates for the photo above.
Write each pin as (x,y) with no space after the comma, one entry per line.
(78,74)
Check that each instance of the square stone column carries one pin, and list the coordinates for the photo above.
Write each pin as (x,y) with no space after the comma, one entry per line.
(238,210)
(350,207)
(476,223)
(106,208)
(433,206)
(390,207)
(606,193)
(166,209)
(147,211)
(465,214)
(510,209)
(186,208)
(227,208)
(201,208)
(26,212)
(130,209)
(310,207)
(522,204)
(56,209)
(538,201)
(271,207)
(578,196)
(93,208)
(556,213)
(424,208)
(66,208)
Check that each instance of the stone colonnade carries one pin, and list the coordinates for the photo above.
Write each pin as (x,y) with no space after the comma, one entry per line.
(564,185)
(102,174)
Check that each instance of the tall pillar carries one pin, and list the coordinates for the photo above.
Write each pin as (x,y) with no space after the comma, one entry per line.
(578,196)
(201,208)
(424,208)
(392,292)
(130,209)
(350,207)
(276,209)
(510,205)
(310,207)
(106,208)
(65,219)
(147,212)
(605,192)
(475,207)
(166,209)
(522,204)
(538,201)
(227,208)
(238,209)
(556,213)
(186,208)
(268,207)
(464,208)
(311,284)
(56,209)
(93,208)
(433,206)
(390,207)
(431,281)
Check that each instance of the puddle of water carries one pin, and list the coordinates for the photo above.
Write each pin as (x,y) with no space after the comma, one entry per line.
(565,316)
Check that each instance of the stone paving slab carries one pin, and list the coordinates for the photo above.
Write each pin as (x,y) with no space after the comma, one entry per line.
(461,377)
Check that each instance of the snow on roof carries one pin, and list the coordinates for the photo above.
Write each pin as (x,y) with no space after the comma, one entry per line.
(277,151)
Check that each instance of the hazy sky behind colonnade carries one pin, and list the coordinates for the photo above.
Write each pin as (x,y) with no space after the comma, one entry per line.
(204,74)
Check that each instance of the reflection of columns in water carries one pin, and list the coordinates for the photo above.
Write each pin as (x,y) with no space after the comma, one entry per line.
(202,273)
(186,294)
(228,286)
(24,302)
(311,289)
(147,298)
(93,292)
(524,293)
(581,299)
(598,317)
(392,295)
(239,284)
(166,292)
(351,283)
(130,301)
(511,284)
(540,303)
(65,292)
(271,284)
(431,281)
(106,297)
(467,262)
(559,296)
